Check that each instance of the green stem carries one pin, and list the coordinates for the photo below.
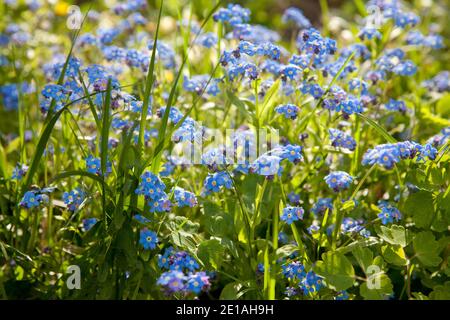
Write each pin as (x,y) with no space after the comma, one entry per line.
(299,242)
(275,230)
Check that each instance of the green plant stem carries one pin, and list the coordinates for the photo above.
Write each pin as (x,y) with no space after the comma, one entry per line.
(275,231)
(338,222)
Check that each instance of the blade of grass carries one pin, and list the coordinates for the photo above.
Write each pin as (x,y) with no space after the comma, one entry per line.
(268,102)
(162,130)
(80,173)
(43,139)
(378,128)
(104,141)
(149,84)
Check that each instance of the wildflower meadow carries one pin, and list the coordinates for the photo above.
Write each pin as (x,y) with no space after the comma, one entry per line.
(217,150)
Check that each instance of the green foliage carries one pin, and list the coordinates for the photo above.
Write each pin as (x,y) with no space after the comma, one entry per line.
(337,270)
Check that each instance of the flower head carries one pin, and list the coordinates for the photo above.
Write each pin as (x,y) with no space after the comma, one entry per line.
(148,239)
(291,214)
(338,180)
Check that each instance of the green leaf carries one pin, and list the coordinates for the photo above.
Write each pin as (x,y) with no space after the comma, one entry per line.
(216,221)
(378,128)
(231,291)
(150,79)
(441,292)
(237,289)
(105,128)
(75,173)
(427,248)
(419,296)
(2,162)
(211,253)
(269,101)
(364,257)
(395,234)
(378,292)
(394,254)
(420,206)
(242,108)
(336,269)
(285,251)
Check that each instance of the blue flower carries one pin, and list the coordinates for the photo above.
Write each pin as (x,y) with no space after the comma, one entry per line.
(140,218)
(395,105)
(159,205)
(199,84)
(350,225)
(290,111)
(313,89)
(106,36)
(291,214)
(342,295)
(19,171)
(369,33)
(439,83)
(357,84)
(197,282)
(30,200)
(248,48)
(151,186)
(190,263)
(311,283)
(56,92)
(338,180)
(388,213)
(341,139)
(270,50)
(93,165)
(148,239)
(295,15)
(293,197)
(74,199)
(428,151)
(405,68)
(135,58)
(387,155)
(266,165)
(260,268)
(293,153)
(216,181)
(293,270)
(313,228)
(283,237)
(290,71)
(165,53)
(322,205)
(72,69)
(403,19)
(234,14)
(311,41)
(184,198)
(173,281)
(89,223)
(301,61)
(271,66)
(86,39)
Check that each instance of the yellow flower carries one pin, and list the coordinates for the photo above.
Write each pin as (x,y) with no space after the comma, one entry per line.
(61,8)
